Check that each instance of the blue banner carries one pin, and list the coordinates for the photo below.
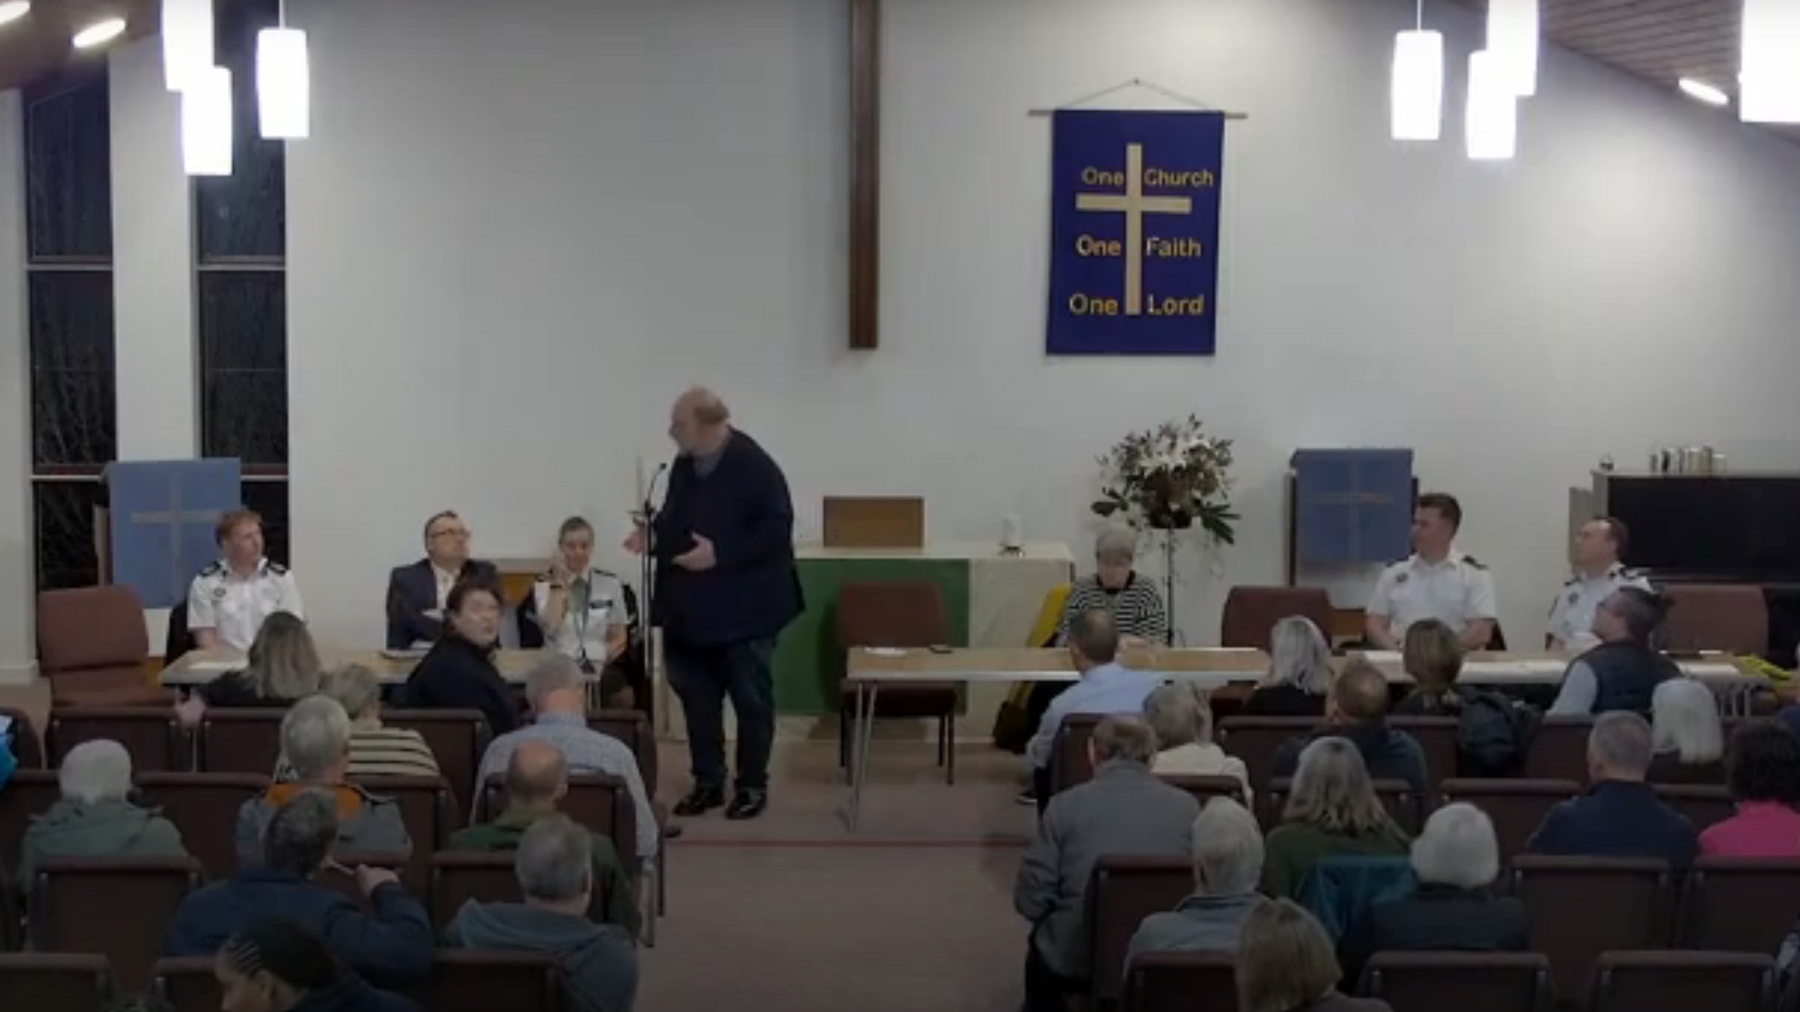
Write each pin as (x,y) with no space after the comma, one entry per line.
(164,519)
(1134,232)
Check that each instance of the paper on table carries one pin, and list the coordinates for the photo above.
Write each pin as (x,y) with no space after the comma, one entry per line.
(885,651)
(215,665)
(1382,656)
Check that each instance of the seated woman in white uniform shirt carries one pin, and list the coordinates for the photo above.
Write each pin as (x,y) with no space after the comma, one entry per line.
(585,612)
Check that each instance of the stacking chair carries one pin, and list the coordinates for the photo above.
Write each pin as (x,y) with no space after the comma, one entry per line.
(1255,740)
(1122,892)
(56,982)
(1437,737)
(595,800)
(1580,907)
(1516,807)
(897,615)
(1729,617)
(1684,982)
(92,647)
(205,807)
(466,981)
(1739,904)
(1251,612)
(1206,788)
(117,907)
(1069,763)
(240,741)
(1464,981)
(152,734)
(27,750)
(1559,749)
(1181,982)
(429,811)
(1704,805)
(188,984)
(458,738)
(28,793)
(633,728)
(459,876)
(1397,796)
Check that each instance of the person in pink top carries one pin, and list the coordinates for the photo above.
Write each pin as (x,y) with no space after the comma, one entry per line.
(1762,769)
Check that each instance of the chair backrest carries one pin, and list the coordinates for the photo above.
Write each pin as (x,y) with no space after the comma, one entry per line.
(117,907)
(1069,763)
(1437,737)
(236,740)
(891,614)
(1255,740)
(1516,807)
(1580,907)
(467,981)
(1464,981)
(1251,612)
(1181,982)
(458,738)
(1122,892)
(460,876)
(56,982)
(1559,749)
(598,801)
(430,813)
(152,734)
(1739,904)
(1684,982)
(1704,616)
(28,793)
(1704,805)
(1397,796)
(633,728)
(188,984)
(204,806)
(92,640)
(1206,788)
(27,749)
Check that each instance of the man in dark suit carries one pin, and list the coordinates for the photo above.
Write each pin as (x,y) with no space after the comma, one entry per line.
(1620,816)
(417,593)
(725,587)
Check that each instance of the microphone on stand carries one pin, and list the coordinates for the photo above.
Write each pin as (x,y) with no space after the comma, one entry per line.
(647,573)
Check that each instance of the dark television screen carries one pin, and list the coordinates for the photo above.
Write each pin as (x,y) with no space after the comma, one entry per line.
(1744,528)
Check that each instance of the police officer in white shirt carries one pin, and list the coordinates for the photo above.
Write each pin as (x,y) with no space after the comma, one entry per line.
(1436,581)
(582,610)
(229,600)
(1598,572)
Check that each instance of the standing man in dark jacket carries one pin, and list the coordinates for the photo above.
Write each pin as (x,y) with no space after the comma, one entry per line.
(1622,673)
(1356,711)
(725,587)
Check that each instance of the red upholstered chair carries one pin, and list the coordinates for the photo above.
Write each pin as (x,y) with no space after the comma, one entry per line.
(152,734)
(204,806)
(117,907)
(457,738)
(429,811)
(1255,740)
(92,647)
(1437,738)
(1250,612)
(1463,981)
(1684,982)
(55,982)
(1559,749)
(1122,892)
(1729,617)
(897,615)
(466,981)
(458,877)
(240,741)
(188,984)
(1069,763)
(1181,982)
(1739,904)
(633,728)
(1580,907)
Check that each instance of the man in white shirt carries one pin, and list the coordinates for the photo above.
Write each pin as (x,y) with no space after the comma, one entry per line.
(1436,581)
(231,597)
(1598,572)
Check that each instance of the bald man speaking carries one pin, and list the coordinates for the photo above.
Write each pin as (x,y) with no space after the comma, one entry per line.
(723,545)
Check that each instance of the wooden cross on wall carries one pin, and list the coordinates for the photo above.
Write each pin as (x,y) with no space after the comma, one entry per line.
(865,173)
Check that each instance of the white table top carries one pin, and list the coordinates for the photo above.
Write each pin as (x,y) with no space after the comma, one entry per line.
(199,667)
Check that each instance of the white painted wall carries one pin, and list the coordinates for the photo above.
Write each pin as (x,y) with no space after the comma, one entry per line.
(18,580)
(513,240)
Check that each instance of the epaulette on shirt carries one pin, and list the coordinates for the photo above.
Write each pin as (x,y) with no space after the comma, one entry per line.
(277,568)
(213,568)
(1473,562)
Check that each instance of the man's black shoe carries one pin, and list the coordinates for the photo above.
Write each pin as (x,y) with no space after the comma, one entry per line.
(747,805)
(701,801)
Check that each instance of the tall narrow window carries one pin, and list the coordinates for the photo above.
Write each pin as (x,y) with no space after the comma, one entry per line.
(241,261)
(74,410)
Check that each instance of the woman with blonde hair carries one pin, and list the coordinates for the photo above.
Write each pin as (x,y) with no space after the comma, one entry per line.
(1179,714)
(1299,675)
(1332,812)
(1433,659)
(1685,732)
(282,668)
(1285,963)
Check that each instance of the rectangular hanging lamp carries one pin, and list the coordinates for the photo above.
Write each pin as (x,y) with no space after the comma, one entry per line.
(283,84)
(1512,36)
(187,42)
(206,124)
(1769,88)
(1492,123)
(1418,86)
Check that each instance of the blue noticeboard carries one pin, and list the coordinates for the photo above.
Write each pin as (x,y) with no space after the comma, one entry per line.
(163,519)
(1352,505)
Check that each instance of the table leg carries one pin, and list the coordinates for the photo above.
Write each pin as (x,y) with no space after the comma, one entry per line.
(854,751)
(865,737)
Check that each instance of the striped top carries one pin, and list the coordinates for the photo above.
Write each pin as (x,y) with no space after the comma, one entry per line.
(381,752)
(1137,609)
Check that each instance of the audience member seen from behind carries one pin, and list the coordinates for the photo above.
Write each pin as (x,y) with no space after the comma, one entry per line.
(94,816)
(1105,687)
(1456,860)
(1123,810)
(555,872)
(315,738)
(1179,714)
(537,779)
(375,751)
(1433,659)
(1688,742)
(281,668)
(1333,811)
(1286,964)
(1620,816)
(279,965)
(1762,769)
(1300,673)
(390,943)
(1357,712)
(1622,673)
(557,692)
(459,673)
(1228,861)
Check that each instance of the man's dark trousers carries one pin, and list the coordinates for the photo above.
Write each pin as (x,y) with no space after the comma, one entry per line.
(702,678)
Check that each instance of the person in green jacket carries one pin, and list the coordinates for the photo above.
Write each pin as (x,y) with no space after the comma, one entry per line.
(537,778)
(1332,812)
(94,817)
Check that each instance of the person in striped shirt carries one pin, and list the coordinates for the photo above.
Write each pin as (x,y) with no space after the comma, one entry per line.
(375,751)
(1136,607)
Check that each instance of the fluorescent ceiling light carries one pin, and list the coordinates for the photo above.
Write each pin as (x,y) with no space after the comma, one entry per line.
(99,33)
(1707,93)
(13,10)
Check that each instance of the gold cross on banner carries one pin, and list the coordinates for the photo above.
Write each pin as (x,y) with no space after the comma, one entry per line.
(1134,205)
(175,517)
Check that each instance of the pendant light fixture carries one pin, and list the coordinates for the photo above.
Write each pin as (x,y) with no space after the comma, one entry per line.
(206,138)
(283,84)
(1418,83)
(1769,86)
(1492,122)
(1512,36)
(187,41)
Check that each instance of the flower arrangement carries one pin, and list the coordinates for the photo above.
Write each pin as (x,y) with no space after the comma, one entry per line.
(1170,478)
